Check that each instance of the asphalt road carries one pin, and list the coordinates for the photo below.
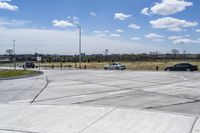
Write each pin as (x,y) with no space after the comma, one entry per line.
(88,101)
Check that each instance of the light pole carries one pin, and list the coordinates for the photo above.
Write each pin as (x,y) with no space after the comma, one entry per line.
(14,55)
(79,27)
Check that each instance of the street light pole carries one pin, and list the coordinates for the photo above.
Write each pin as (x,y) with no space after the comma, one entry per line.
(14,55)
(80,34)
(79,47)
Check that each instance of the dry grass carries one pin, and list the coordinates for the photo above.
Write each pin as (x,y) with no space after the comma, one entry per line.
(136,65)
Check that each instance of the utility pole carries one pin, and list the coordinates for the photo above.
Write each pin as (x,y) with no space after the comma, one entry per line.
(79,27)
(79,47)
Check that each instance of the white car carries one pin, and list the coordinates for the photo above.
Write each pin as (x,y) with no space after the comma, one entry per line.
(115,66)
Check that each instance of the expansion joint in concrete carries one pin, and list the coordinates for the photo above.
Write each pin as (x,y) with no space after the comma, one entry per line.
(47,82)
(97,120)
(193,125)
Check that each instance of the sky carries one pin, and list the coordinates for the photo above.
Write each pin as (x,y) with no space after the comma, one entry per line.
(121,26)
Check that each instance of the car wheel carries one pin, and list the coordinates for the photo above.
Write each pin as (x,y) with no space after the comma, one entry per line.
(105,68)
(117,68)
(168,70)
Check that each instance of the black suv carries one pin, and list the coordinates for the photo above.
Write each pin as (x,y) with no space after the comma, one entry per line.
(182,67)
(29,65)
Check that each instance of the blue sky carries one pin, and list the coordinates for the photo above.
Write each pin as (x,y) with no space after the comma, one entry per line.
(131,26)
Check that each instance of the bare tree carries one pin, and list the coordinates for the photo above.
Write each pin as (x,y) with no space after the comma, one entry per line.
(105,52)
(174,52)
(10,52)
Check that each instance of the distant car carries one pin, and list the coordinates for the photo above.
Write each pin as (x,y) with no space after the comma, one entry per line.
(29,65)
(115,66)
(182,67)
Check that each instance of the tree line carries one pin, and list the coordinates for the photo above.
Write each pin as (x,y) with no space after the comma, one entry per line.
(105,57)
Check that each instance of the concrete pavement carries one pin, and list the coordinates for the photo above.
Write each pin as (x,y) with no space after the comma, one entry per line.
(21,90)
(78,119)
(89,101)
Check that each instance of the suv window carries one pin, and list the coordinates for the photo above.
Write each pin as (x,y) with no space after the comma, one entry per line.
(182,65)
(187,65)
(178,65)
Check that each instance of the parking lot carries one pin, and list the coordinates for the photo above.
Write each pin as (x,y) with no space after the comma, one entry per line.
(102,102)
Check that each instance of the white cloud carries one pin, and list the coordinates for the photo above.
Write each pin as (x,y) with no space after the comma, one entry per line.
(182,40)
(97,32)
(5,0)
(101,34)
(167,7)
(198,30)
(61,23)
(178,37)
(93,14)
(119,30)
(185,41)
(5,5)
(154,37)
(13,23)
(106,31)
(135,38)
(121,16)
(115,35)
(75,18)
(64,42)
(145,11)
(172,24)
(134,26)
(175,37)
